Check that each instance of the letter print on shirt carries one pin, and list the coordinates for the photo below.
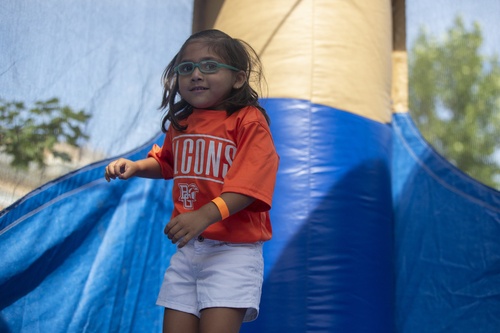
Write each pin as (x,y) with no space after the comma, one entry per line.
(200,156)
(188,195)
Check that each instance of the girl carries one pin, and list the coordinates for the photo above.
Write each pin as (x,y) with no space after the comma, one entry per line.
(219,151)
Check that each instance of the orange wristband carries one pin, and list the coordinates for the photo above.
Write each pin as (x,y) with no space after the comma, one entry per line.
(221,205)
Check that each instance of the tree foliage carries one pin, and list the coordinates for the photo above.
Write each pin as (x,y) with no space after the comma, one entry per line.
(27,134)
(454,97)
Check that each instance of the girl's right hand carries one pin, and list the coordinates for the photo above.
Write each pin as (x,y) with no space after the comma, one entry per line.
(121,168)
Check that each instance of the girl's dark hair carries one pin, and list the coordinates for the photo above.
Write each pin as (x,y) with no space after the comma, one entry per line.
(234,52)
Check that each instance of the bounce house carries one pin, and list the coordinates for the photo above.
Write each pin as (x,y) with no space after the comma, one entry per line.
(373,231)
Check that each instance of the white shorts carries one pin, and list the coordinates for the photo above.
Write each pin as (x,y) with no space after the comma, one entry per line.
(207,273)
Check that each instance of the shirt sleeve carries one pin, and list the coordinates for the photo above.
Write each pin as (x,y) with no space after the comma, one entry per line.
(163,155)
(253,171)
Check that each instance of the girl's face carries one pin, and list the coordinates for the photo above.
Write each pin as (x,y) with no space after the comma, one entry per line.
(207,91)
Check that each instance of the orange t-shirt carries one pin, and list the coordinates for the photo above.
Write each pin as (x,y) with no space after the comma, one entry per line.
(218,154)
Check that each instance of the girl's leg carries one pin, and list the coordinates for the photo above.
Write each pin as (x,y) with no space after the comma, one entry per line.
(221,320)
(179,322)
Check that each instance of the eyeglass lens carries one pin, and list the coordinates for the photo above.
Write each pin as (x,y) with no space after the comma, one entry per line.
(204,66)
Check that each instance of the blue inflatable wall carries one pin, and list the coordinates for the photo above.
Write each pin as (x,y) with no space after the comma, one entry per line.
(447,253)
(329,264)
(82,255)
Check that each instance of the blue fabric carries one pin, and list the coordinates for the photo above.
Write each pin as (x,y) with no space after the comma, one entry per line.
(447,231)
(82,255)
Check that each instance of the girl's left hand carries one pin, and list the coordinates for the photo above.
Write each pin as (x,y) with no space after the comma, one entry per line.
(186,226)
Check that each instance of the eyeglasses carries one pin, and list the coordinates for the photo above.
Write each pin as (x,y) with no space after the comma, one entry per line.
(205,66)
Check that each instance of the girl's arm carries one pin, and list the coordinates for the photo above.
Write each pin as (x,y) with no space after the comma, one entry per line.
(186,226)
(125,169)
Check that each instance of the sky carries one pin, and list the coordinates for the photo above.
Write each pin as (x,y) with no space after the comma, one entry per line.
(103,57)
(436,16)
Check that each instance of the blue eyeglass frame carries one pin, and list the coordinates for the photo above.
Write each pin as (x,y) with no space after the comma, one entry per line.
(198,64)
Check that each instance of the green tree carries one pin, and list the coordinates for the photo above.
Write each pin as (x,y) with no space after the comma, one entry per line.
(26,134)
(454,98)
